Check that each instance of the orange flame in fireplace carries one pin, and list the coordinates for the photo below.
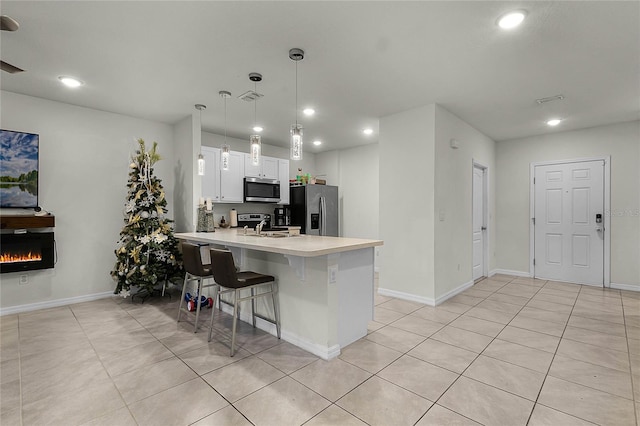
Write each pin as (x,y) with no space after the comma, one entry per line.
(20,257)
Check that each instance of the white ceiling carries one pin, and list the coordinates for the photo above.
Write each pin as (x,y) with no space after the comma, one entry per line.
(364,60)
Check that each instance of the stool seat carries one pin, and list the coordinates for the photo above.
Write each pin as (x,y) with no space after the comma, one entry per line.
(248,278)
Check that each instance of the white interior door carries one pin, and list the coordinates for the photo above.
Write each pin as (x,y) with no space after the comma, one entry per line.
(478,222)
(569,240)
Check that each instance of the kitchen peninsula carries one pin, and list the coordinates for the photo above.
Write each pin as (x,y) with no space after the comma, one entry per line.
(325,284)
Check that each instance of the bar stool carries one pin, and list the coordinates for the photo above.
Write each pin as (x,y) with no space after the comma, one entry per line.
(194,271)
(231,281)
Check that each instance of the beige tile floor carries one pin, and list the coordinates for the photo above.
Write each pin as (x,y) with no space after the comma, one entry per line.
(508,351)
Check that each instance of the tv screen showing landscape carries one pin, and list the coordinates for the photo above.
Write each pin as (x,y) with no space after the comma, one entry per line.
(18,169)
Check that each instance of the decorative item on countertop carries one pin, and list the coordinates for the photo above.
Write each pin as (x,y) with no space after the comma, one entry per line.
(206,223)
(223,223)
(147,254)
(202,219)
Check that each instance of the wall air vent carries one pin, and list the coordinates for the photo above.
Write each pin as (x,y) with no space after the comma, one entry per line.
(250,96)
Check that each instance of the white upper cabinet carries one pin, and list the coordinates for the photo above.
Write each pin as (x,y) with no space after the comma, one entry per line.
(211,178)
(283,177)
(232,180)
(270,168)
(267,169)
(222,186)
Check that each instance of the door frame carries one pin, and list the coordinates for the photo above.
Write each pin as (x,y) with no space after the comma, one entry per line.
(485,216)
(605,213)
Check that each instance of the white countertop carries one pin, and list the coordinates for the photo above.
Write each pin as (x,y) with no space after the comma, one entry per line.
(302,245)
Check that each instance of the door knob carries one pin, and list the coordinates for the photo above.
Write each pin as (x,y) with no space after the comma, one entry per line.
(484,228)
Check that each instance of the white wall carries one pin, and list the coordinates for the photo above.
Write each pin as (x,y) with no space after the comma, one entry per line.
(453,197)
(84,166)
(356,173)
(620,141)
(186,136)
(407,161)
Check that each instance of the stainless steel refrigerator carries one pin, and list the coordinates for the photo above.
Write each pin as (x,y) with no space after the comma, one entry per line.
(315,209)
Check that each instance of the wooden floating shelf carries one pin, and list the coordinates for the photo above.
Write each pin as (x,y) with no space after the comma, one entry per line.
(26,222)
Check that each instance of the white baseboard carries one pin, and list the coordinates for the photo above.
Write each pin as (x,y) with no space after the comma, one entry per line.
(509,272)
(424,300)
(324,352)
(406,296)
(54,303)
(451,293)
(628,287)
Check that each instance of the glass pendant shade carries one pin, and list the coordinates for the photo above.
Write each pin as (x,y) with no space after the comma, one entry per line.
(200,165)
(296,142)
(255,149)
(226,152)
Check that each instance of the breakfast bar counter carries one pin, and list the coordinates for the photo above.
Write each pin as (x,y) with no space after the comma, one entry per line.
(325,284)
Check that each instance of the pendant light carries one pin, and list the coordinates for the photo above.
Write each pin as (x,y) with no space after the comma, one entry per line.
(255,140)
(200,107)
(225,149)
(296,55)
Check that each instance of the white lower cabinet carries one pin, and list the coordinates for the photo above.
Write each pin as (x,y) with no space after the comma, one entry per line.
(223,186)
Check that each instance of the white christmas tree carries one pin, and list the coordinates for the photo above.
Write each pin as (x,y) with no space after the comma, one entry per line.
(147,251)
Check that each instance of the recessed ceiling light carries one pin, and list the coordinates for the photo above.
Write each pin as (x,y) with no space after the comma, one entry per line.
(70,81)
(367,131)
(316,143)
(554,122)
(257,129)
(309,111)
(512,19)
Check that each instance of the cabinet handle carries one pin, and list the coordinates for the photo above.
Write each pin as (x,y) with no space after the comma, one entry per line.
(223,196)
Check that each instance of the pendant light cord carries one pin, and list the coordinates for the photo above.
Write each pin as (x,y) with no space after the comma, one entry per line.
(296,93)
(225,120)
(255,104)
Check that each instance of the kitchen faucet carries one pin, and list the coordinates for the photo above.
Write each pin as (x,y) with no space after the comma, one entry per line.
(259,226)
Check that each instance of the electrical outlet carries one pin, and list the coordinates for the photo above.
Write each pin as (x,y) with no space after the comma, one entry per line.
(333,274)
(24,279)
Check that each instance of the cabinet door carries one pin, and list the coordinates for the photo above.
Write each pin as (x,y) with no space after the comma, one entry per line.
(283,176)
(211,178)
(249,169)
(269,168)
(232,180)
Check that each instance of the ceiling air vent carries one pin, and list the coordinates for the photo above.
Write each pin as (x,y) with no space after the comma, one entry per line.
(250,96)
(549,99)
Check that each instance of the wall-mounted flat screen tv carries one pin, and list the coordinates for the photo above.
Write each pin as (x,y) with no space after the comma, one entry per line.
(18,169)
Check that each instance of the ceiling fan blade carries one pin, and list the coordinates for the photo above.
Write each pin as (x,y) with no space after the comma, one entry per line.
(9,68)
(8,24)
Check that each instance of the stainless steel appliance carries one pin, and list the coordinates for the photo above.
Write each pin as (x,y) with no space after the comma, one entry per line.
(315,209)
(282,216)
(261,190)
(252,219)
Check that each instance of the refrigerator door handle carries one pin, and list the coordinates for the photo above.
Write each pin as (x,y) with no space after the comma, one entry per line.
(323,215)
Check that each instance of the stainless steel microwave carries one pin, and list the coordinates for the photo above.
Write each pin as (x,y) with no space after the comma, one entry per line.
(261,190)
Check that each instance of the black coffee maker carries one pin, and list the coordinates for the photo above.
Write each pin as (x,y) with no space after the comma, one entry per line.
(282,216)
